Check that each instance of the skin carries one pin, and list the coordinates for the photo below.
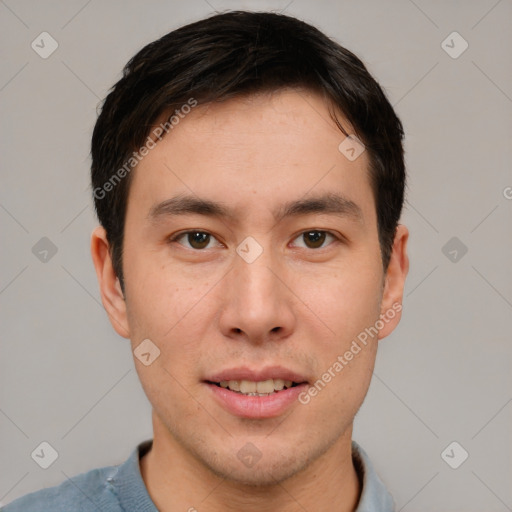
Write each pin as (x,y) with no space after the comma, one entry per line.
(296,305)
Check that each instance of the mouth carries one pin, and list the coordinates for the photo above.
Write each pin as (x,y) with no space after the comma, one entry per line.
(260,388)
(256,394)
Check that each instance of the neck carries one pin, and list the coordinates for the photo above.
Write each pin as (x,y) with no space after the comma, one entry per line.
(177,481)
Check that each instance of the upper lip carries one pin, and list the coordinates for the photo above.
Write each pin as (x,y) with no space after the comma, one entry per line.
(258,375)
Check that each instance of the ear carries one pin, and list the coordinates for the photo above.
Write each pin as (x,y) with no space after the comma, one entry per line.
(391,305)
(110,288)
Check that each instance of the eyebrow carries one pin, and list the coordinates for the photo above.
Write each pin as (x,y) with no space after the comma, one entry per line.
(328,203)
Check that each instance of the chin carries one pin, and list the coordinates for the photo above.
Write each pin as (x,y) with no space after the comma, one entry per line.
(271,464)
(265,473)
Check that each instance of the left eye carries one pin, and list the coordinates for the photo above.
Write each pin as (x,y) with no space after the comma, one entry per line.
(314,239)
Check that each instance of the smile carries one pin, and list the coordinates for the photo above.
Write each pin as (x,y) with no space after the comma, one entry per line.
(256,394)
(260,388)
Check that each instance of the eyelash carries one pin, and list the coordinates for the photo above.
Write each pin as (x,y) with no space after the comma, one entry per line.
(181,234)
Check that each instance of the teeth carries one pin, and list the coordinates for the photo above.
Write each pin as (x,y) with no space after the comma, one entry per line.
(234,385)
(278,384)
(246,386)
(265,386)
(261,388)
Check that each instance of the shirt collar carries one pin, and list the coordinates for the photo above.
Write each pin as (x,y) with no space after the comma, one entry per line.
(130,487)
(374,495)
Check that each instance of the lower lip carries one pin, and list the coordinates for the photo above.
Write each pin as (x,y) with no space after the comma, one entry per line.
(256,407)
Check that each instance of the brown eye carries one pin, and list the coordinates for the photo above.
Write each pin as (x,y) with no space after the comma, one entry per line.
(314,239)
(196,240)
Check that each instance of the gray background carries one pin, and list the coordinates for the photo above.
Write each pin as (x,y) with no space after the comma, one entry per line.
(67,378)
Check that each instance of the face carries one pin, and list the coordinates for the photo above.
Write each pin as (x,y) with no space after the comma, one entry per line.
(252,262)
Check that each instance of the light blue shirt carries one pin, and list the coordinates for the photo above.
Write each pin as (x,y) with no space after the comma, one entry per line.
(122,489)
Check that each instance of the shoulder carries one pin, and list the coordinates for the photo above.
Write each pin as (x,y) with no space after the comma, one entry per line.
(86,492)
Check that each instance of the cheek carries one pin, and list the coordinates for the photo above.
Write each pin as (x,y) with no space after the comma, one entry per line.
(358,305)
(345,301)
(161,298)
(168,316)
(167,312)
(348,302)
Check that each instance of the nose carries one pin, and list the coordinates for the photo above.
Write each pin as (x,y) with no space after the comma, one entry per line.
(258,301)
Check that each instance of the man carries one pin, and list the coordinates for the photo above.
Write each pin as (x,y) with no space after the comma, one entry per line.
(248,176)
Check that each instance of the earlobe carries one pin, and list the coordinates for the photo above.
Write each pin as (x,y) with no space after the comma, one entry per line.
(111,294)
(392,298)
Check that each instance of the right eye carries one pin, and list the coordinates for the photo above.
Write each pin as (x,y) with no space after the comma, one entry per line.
(196,240)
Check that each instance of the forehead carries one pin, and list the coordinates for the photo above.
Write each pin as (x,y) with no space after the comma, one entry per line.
(266,148)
